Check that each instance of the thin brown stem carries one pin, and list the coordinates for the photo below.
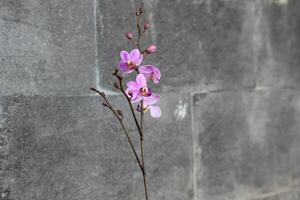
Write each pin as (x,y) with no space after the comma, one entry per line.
(142,151)
(139,33)
(120,79)
(139,126)
(139,13)
(120,119)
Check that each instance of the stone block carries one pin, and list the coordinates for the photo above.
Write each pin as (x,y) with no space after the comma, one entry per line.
(47,47)
(73,148)
(248,143)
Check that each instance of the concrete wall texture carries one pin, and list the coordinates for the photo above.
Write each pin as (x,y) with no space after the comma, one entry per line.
(230,128)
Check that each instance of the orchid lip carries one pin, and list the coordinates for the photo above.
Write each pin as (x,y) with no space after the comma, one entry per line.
(131,64)
(146,92)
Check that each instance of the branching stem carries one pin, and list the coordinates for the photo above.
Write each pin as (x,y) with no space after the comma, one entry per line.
(139,13)
(120,119)
(118,114)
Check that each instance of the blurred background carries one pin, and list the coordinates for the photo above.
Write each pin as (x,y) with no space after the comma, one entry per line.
(230,128)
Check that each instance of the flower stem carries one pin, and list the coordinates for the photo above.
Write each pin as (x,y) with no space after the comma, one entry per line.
(139,126)
(142,151)
(139,33)
(120,79)
(139,13)
(120,119)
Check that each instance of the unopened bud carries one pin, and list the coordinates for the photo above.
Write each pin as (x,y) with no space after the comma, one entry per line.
(105,104)
(130,94)
(151,49)
(146,26)
(115,72)
(140,12)
(129,35)
(120,113)
(138,108)
(93,89)
(116,85)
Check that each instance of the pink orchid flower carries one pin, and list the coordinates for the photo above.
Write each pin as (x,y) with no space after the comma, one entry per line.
(150,72)
(139,91)
(130,61)
(148,104)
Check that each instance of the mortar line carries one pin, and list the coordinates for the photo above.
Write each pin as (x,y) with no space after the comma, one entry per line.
(194,150)
(96,46)
(107,91)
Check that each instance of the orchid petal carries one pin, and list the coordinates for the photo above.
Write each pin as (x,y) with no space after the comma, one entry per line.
(124,56)
(137,98)
(153,99)
(157,73)
(145,69)
(155,79)
(133,85)
(150,72)
(148,76)
(135,54)
(141,80)
(139,60)
(123,66)
(155,111)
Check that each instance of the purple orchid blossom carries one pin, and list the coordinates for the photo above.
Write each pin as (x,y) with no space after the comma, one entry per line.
(150,72)
(148,104)
(139,91)
(130,61)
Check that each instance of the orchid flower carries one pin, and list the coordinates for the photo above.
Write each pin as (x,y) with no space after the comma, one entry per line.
(138,89)
(150,72)
(130,61)
(148,104)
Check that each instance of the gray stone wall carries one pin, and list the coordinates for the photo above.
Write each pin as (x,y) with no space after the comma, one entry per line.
(230,128)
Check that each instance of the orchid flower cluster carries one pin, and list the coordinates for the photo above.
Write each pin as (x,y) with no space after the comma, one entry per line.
(137,91)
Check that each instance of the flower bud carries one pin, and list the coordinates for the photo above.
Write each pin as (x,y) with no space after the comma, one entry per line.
(129,35)
(93,89)
(130,94)
(115,72)
(151,49)
(116,85)
(139,12)
(146,26)
(105,104)
(138,108)
(120,113)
